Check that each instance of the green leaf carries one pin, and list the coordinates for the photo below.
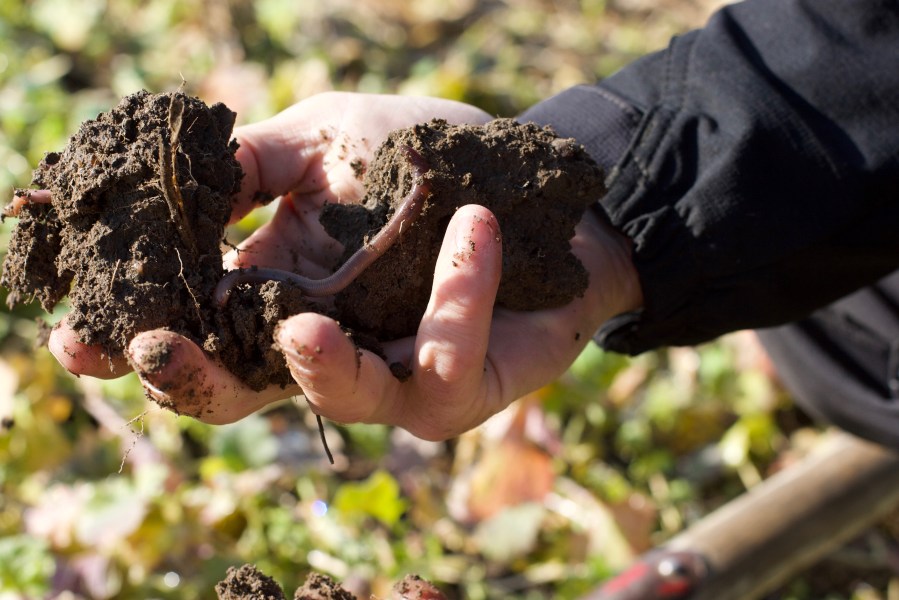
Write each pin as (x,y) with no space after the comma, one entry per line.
(378,497)
(25,566)
(114,511)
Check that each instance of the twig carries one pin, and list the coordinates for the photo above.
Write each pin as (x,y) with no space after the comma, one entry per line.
(137,436)
(168,154)
(321,428)
(97,406)
(114,271)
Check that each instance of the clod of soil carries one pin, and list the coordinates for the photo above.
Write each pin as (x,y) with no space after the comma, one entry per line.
(536,184)
(413,587)
(321,587)
(248,583)
(141,195)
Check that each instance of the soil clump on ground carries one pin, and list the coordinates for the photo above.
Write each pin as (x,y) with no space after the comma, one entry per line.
(141,196)
(249,583)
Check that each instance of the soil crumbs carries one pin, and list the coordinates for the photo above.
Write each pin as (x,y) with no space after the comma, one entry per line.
(141,196)
(248,583)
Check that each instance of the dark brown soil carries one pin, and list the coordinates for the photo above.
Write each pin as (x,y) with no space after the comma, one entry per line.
(141,196)
(321,587)
(536,184)
(248,583)
(141,243)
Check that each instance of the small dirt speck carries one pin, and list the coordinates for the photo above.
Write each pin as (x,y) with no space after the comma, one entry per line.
(358,166)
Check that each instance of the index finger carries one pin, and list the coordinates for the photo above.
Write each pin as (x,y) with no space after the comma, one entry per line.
(276,156)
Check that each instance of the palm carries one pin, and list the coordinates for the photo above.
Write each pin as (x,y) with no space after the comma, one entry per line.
(333,136)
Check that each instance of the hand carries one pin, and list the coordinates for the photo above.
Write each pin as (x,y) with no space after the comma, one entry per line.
(468,361)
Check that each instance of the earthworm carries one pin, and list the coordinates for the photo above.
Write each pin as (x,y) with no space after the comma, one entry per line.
(23,197)
(405,214)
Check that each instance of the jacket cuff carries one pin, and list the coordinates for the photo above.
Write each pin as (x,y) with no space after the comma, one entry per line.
(598,119)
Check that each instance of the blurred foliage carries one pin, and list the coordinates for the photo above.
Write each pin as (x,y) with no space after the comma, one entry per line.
(103,495)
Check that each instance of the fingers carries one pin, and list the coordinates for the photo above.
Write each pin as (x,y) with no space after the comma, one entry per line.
(451,386)
(450,366)
(293,240)
(179,376)
(340,382)
(274,156)
(315,148)
(174,371)
(82,359)
(296,151)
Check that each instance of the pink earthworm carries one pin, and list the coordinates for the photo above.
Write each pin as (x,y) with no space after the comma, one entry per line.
(405,214)
(23,197)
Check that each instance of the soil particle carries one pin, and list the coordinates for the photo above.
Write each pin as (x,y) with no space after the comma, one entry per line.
(413,587)
(141,196)
(43,333)
(156,357)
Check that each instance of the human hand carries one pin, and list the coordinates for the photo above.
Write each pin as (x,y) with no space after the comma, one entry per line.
(310,154)
(467,361)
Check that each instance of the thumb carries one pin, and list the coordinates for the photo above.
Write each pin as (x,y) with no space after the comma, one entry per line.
(178,375)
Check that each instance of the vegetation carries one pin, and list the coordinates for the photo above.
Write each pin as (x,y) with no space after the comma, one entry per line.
(104,495)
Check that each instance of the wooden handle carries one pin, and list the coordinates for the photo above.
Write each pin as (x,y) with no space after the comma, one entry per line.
(791,520)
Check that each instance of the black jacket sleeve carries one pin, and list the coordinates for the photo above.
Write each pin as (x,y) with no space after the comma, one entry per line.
(754,164)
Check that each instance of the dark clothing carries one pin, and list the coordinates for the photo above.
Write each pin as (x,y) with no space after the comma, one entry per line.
(842,362)
(755,166)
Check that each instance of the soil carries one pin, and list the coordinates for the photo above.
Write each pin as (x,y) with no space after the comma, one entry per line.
(142,193)
(248,583)
(536,184)
(321,587)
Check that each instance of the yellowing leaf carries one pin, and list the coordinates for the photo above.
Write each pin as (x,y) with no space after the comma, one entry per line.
(377,497)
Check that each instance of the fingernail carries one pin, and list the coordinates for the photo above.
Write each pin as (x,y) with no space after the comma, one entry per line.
(300,361)
(150,356)
(158,394)
(152,359)
(299,357)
